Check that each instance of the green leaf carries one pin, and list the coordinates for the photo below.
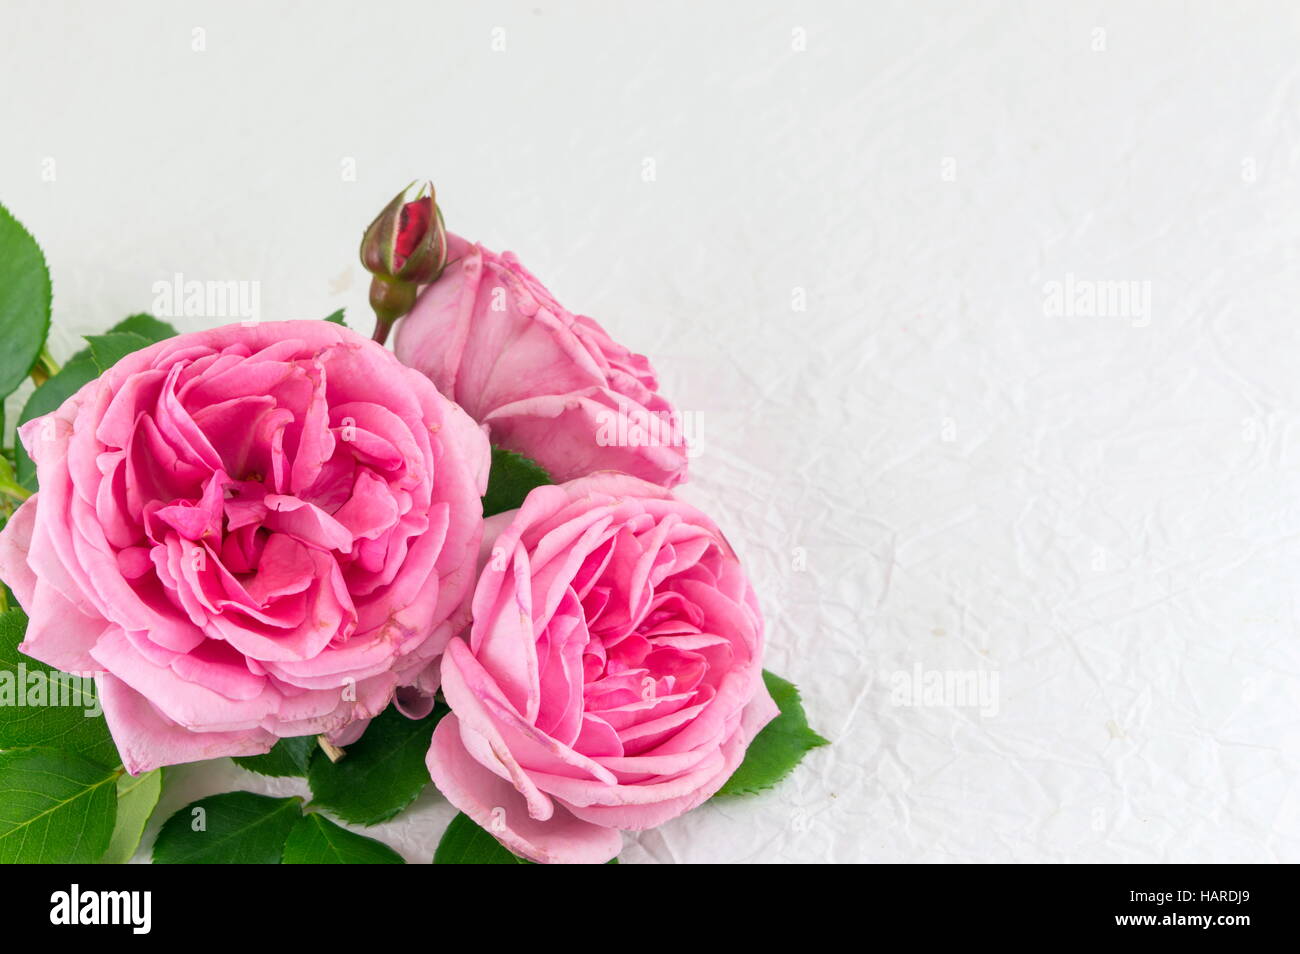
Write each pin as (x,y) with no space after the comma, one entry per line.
(108,349)
(236,828)
(63,725)
(381,773)
(287,757)
(315,840)
(779,747)
(79,370)
(146,326)
(24,302)
(137,796)
(9,484)
(55,807)
(511,477)
(337,318)
(465,843)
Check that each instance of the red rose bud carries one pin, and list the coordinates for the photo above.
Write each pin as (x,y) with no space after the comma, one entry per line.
(411,228)
(406,242)
(404,247)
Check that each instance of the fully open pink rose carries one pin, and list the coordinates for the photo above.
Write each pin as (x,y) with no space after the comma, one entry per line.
(550,384)
(612,675)
(252,533)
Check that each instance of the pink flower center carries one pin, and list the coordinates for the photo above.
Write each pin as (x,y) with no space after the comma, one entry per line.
(633,643)
(269,506)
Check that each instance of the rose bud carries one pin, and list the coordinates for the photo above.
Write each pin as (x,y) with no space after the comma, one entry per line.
(404,247)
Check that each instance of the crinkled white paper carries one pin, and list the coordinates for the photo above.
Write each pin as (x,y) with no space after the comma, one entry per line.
(836,228)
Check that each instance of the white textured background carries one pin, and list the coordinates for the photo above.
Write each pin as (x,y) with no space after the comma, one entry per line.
(922,467)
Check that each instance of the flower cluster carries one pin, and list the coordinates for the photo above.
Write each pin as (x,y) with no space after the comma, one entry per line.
(266,531)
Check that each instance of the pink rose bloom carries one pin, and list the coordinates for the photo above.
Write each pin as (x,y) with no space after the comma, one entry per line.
(250,533)
(550,384)
(612,677)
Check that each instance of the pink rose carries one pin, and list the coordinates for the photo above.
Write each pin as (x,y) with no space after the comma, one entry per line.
(550,384)
(251,533)
(612,677)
